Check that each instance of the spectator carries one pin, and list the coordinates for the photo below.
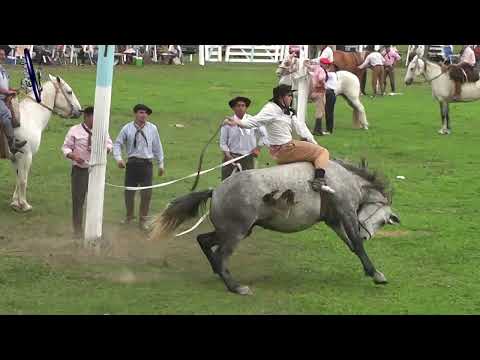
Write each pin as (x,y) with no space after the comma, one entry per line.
(78,148)
(142,144)
(236,142)
(391,57)
(375,61)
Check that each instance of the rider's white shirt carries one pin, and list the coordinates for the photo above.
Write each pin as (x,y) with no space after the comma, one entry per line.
(331,82)
(279,126)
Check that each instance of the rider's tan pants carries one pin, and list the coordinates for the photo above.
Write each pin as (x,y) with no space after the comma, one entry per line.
(296,151)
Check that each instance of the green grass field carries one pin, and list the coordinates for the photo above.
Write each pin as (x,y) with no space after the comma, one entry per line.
(431,259)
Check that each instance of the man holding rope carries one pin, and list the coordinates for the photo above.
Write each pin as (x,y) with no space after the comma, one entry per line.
(142,144)
(5,113)
(78,148)
(235,142)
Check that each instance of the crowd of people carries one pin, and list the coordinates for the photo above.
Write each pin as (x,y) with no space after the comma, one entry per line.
(88,54)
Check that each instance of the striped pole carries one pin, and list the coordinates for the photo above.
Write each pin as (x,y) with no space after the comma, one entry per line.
(98,161)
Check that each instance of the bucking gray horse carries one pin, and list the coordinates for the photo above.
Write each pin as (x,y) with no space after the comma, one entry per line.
(280,198)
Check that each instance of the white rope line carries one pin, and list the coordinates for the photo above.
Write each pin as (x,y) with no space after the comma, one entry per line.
(194,226)
(177,180)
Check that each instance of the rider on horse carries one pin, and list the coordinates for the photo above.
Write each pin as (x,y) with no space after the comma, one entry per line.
(279,120)
(5,113)
(464,71)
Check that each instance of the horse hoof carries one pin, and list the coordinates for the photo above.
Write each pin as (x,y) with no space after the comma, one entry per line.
(243,290)
(379,278)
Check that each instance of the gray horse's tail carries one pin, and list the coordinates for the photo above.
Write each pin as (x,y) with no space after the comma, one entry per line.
(178,211)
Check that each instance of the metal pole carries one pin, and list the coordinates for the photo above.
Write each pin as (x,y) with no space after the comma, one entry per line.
(302,86)
(98,161)
(201,55)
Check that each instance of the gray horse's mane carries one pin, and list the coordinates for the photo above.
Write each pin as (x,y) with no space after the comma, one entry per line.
(376,180)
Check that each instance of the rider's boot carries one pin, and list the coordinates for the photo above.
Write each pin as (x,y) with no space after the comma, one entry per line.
(319,183)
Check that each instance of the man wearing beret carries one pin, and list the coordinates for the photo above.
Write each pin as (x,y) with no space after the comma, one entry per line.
(235,141)
(141,141)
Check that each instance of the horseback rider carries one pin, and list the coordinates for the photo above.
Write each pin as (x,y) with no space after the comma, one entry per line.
(463,71)
(279,120)
(5,113)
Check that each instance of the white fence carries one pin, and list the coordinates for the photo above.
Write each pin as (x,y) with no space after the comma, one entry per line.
(213,53)
(254,53)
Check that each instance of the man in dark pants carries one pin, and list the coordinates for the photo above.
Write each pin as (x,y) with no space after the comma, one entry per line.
(142,144)
(77,148)
(330,98)
(235,142)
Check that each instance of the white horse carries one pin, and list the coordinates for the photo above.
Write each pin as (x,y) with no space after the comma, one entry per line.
(348,86)
(442,87)
(58,98)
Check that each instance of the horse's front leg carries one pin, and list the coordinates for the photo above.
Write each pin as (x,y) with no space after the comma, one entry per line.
(444,114)
(23,170)
(351,227)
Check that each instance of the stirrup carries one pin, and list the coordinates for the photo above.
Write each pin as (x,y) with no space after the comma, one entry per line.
(328,189)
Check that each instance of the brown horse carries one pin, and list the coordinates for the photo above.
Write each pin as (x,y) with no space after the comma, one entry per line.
(350,61)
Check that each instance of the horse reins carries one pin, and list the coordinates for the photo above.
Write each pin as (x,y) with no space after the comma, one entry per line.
(425,72)
(373,213)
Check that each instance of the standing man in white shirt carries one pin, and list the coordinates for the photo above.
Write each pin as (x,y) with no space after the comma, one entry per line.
(330,97)
(376,62)
(235,141)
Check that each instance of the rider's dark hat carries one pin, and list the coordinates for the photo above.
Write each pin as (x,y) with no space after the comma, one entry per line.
(282,90)
(139,107)
(234,101)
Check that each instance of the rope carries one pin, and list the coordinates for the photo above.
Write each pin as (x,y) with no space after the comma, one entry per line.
(177,180)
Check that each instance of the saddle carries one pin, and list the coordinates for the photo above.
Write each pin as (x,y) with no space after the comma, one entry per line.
(463,73)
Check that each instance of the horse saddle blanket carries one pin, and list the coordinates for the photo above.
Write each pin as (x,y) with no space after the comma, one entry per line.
(463,73)
(13,105)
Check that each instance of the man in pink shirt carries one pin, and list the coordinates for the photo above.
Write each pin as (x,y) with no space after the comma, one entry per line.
(391,57)
(78,148)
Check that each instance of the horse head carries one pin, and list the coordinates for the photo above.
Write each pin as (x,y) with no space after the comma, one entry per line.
(66,103)
(414,69)
(374,210)
(374,213)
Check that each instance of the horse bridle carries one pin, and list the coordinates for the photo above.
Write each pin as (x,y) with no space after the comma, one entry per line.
(57,89)
(382,204)
(425,71)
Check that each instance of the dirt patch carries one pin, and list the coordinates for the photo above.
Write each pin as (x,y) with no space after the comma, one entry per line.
(393,233)
(126,252)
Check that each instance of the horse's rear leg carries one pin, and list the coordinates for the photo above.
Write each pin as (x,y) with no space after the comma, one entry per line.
(206,242)
(227,244)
